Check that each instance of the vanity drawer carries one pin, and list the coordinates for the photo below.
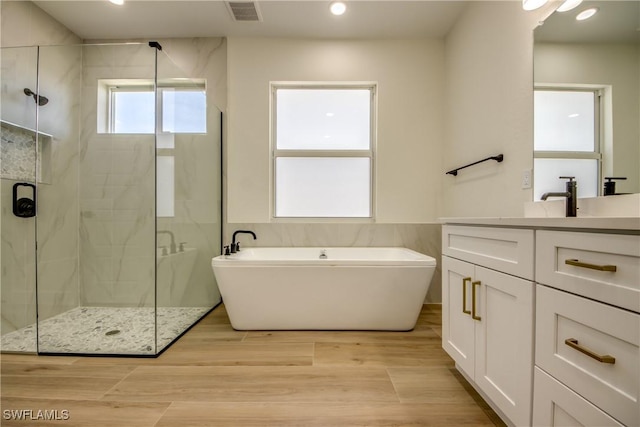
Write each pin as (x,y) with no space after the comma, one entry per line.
(556,405)
(568,327)
(571,261)
(509,250)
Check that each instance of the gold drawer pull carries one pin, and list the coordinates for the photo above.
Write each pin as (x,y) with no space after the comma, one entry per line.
(578,263)
(464,295)
(573,343)
(473,300)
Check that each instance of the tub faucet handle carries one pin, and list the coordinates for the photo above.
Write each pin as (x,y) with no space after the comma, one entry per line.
(323,254)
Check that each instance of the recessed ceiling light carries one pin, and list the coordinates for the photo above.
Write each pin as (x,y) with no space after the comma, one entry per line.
(338,8)
(586,14)
(574,115)
(118,2)
(533,4)
(330,114)
(568,5)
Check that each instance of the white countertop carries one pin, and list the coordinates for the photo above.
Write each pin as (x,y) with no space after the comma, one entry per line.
(630,224)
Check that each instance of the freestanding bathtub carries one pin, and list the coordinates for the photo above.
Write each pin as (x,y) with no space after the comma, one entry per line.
(324,288)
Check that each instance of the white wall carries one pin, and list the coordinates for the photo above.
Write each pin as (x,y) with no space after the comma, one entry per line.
(489,69)
(25,24)
(617,65)
(409,74)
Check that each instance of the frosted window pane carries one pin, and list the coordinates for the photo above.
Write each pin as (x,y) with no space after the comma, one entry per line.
(323,119)
(323,187)
(184,111)
(134,112)
(564,121)
(547,173)
(165,186)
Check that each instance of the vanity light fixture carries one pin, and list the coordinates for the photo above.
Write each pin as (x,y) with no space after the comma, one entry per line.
(533,4)
(568,5)
(338,8)
(118,2)
(587,13)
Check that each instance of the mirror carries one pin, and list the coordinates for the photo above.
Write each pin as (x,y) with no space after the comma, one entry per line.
(601,56)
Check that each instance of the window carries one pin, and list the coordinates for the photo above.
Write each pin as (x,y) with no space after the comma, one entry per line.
(566,140)
(323,147)
(129,106)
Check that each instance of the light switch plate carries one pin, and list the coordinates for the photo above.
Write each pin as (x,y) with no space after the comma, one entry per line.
(526,179)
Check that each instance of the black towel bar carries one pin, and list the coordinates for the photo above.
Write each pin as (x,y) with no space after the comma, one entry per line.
(497,158)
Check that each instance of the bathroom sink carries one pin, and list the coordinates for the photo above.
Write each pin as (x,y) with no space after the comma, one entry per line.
(624,205)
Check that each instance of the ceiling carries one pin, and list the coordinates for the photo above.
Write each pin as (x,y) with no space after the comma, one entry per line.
(616,21)
(99,19)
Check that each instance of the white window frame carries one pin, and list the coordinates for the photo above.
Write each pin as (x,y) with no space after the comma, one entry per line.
(144,85)
(370,153)
(598,137)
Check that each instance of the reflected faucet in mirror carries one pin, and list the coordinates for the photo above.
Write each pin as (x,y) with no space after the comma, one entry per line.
(571,194)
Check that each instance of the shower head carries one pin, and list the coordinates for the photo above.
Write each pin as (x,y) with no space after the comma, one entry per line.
(40,100)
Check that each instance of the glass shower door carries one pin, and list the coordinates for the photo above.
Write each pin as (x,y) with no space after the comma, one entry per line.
(96,228)
(19,177)
(188,198)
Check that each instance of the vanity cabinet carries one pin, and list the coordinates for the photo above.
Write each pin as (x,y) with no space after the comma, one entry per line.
(587,329)
(581,366)
(487,313)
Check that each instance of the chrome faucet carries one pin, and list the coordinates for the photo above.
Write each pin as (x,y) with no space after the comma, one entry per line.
(571,194)
(172,246)
(235,247)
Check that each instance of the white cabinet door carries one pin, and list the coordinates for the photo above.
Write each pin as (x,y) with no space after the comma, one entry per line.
(458,328)
(504,341)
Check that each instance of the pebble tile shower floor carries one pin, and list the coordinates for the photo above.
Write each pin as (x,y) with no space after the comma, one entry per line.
(90,330)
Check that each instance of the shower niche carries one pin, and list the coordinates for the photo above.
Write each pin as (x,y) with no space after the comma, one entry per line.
(94,272)
(26,154)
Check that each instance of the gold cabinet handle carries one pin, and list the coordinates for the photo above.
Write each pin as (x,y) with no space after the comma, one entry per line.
(573,343)
(473,300)
(578,263)
(464,295)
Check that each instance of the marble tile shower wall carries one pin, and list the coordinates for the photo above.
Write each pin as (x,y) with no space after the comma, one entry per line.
(423,238)
(18,235)
(117,190)
(197,197)
(57,198)
(58,210)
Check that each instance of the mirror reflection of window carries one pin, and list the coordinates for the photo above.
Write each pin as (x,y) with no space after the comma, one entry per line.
(566,140)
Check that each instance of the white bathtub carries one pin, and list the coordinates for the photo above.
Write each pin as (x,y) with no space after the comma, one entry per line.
(352,289)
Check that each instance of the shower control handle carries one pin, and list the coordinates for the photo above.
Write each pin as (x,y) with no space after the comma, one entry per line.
(24,207)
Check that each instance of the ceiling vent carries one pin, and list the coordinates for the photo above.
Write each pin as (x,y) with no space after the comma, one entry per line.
(244,11)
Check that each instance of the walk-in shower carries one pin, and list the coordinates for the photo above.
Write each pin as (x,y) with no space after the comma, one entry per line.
(121,162)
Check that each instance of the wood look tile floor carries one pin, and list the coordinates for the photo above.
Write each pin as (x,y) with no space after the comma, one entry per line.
(215,376)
